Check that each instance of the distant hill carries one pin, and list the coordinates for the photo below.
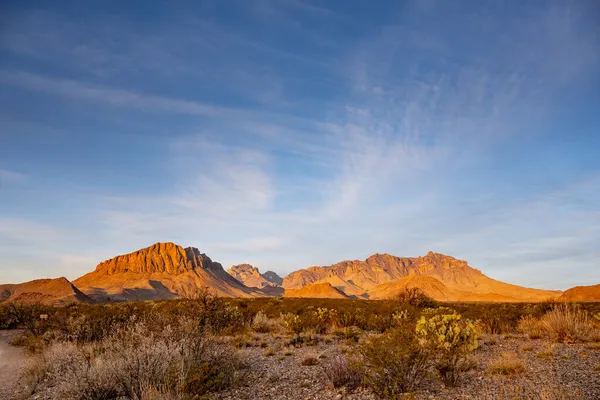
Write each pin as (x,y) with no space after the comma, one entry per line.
(161,271)
(458,279)
(168,271)
(582,294)
(251,276)
(316,291)
(57,291)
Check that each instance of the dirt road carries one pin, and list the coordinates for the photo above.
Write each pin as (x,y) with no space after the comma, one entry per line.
(13,361)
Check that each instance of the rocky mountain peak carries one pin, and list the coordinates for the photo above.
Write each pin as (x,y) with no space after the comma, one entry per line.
(160,257)
(273,278)
(251,276)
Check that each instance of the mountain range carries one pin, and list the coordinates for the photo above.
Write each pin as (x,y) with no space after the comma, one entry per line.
(167,271)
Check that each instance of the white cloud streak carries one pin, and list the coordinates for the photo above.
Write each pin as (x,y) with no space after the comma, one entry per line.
(117,97)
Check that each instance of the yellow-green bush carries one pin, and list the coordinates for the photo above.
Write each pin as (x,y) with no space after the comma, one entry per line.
(292,323)
(449,339)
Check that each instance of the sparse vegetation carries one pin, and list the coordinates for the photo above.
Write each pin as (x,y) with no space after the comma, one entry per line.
(563,323)
(507,364)
(344,372)
(179,359)
(387,347)
(395,362)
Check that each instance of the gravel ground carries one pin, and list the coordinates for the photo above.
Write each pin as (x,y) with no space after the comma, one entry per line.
(566,372)
(13,361)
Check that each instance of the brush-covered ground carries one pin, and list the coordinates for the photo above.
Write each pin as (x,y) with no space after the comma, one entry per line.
(270,348)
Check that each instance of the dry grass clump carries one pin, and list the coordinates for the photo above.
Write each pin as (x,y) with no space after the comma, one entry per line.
(567,324)
(547,353)
(507,364)
(135,362)
(310,360)
(564,323)
(344,372)
(269,353)
(593,346)
(531,326)
(527,347)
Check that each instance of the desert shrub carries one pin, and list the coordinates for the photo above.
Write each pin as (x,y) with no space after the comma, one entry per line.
(20,315)
(178,360)
(507,364)
(449,338)
(416,298)
(566,323)
(350,333)
(399,317)
(261,323)
(531,326)
(323,318)
(343,372)
(293,323)
(352,317)
(394,362)
(563,323)
(204,378)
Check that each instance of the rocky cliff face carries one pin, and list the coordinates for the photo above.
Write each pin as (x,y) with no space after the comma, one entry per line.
(359,277)
(251,276)
(161,271)
(166,258)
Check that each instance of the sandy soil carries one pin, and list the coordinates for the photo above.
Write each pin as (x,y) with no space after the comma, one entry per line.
(13,361)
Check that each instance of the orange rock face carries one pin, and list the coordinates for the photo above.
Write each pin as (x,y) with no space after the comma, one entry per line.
(460,281)
(161,271)
(166,258)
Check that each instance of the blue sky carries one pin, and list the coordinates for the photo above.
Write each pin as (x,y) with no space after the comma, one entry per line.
(290,133)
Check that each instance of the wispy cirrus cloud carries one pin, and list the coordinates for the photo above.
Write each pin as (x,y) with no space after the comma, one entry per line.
(114,96)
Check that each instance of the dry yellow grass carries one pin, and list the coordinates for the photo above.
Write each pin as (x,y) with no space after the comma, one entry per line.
(507,364)
(564,323)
